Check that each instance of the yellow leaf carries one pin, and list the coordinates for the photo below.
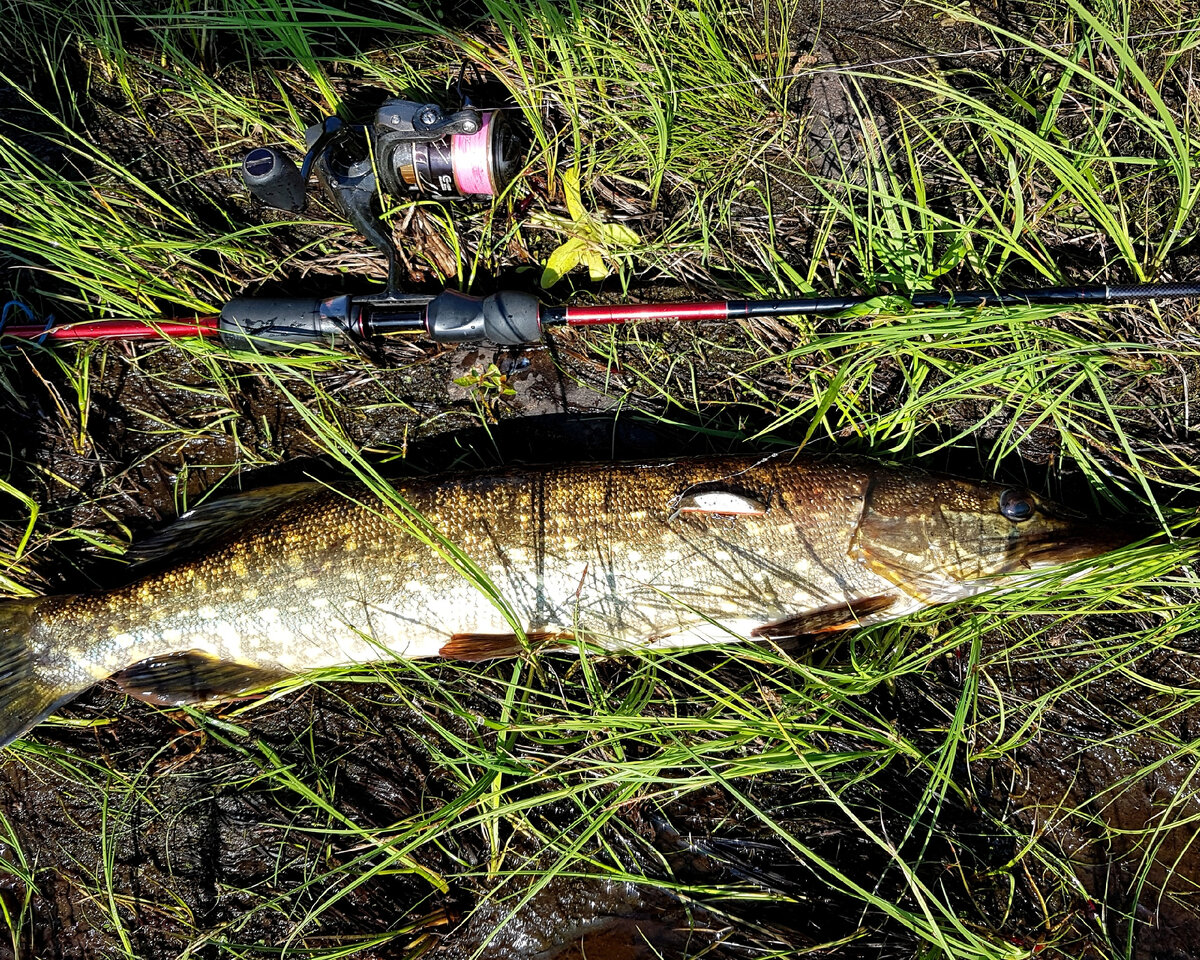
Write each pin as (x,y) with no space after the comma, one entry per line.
(570,182)
(563,260)
(597,269)
(618,235)
(590,239)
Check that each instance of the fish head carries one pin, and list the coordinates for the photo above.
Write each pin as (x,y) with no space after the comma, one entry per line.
(941,539)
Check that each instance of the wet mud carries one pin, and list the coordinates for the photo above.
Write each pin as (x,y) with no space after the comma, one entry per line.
(191,821)
(192,836)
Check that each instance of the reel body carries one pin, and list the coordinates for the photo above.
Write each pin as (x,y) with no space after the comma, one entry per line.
(411,149)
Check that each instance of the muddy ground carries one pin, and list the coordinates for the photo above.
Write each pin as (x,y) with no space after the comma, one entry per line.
(202,840)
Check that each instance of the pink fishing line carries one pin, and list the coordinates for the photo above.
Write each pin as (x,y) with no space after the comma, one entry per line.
(472,158)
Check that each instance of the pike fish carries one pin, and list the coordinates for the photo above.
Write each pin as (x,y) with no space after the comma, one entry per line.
(628,556)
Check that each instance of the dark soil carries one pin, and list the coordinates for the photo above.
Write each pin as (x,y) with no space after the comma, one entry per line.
(194,838)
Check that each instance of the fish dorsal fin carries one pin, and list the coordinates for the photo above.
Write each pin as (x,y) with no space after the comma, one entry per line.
(216,520)
(488,646)
(192,676)
(717,502)
(837,616)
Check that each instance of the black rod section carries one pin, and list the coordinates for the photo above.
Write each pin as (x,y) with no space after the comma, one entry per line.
(970,299)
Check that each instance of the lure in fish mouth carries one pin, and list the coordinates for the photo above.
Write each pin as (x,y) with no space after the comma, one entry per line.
(612,556)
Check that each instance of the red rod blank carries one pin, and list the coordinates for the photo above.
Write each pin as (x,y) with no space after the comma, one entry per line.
(626,312)
(118,330)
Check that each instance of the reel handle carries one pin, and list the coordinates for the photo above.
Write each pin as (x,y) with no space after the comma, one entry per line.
(273,179)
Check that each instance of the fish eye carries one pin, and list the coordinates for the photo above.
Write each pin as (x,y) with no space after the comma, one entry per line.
(1016,506)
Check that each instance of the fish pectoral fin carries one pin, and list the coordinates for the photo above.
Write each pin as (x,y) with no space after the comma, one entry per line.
(838,616)
(488,646)
(192,676)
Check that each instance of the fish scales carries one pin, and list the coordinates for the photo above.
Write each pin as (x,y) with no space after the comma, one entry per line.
(335,581)
(623,556)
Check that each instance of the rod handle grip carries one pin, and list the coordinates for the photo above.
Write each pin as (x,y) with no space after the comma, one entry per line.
(507,318)
(275,325)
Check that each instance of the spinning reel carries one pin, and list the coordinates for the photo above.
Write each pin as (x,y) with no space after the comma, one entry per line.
(411,149)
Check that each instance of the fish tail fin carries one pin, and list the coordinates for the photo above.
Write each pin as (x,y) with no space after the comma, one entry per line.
(28,691)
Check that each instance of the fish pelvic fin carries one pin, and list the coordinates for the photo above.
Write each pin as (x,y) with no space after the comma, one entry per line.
(29,690)
(838,616)
(191,676)
(473,647)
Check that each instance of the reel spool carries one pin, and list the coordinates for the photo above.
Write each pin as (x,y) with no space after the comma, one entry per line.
(410,150)
(479,161)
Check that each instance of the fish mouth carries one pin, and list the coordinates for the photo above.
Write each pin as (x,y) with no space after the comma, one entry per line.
(1070,546)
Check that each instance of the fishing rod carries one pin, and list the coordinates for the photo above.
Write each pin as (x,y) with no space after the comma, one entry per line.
(418,150)
(514,318)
